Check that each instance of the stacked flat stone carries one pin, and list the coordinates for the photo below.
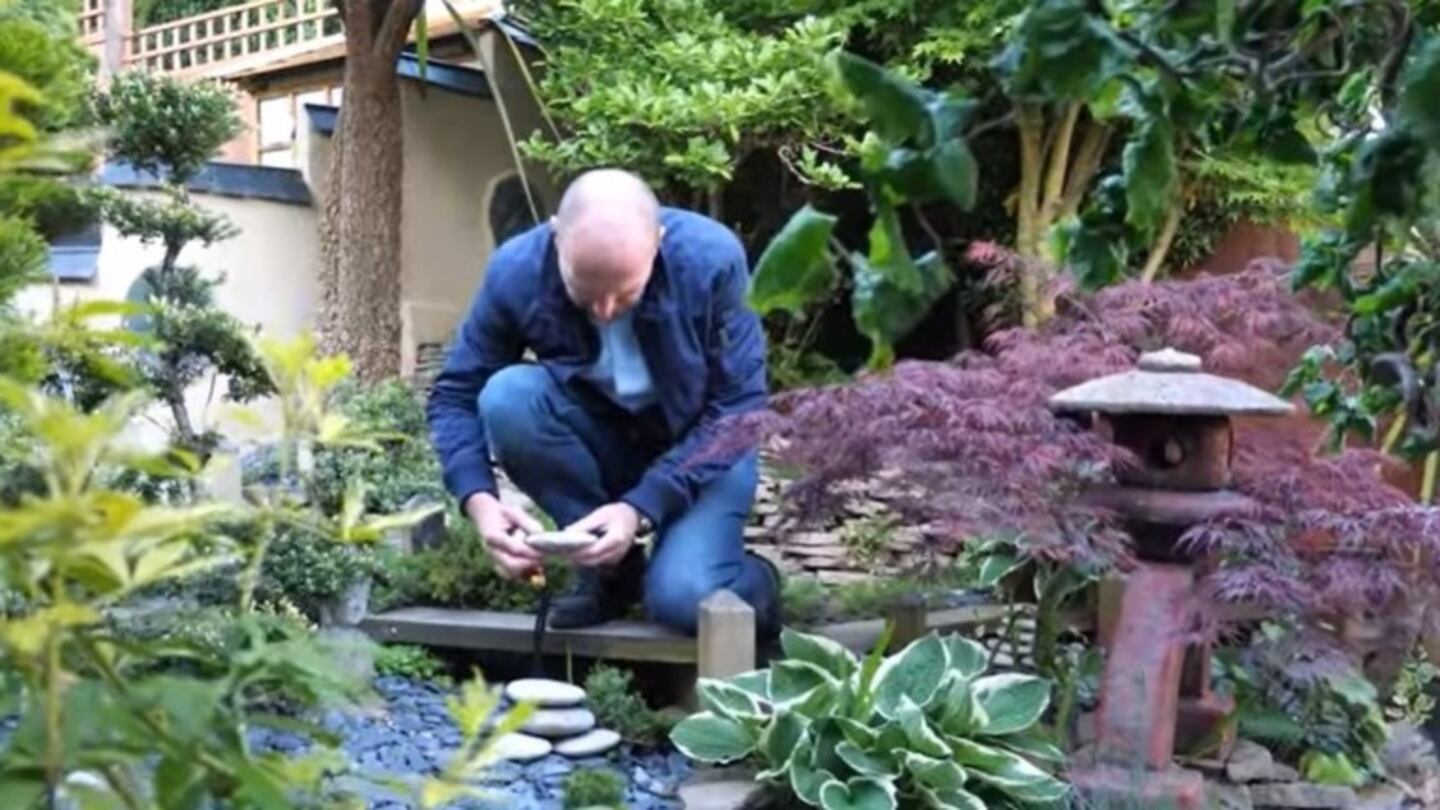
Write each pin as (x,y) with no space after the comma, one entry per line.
(561,723)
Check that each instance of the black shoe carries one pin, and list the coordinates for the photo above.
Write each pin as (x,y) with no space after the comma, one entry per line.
(597,596)
(770,619)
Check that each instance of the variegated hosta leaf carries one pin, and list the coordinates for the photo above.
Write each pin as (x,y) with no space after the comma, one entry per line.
(1012,702)
(962,715)
(867,763)
(793,681)
(957,799)
(922,738)
(806,781)
(824,653)
(707,737)
(727,700)
(756,682)
(1033,747)
(781,742)
(916,673)
(967,658)
(861,793)
(858,733)
(935,773)
(1007,772)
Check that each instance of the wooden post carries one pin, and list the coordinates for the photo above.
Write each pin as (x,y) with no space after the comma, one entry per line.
(726,636)
(909,616)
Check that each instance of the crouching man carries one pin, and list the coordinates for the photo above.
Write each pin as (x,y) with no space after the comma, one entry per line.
(637,319)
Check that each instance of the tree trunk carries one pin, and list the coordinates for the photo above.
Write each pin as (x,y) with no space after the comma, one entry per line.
(1161,249)
(361,299)
(1031,123)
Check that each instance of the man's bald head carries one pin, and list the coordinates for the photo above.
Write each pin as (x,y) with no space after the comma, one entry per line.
(607,232)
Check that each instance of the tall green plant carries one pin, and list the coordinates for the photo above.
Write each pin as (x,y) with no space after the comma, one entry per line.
(914,154)
(923,727)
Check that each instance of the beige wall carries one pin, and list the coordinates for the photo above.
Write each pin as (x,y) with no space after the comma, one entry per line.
(269,268)
(455,152)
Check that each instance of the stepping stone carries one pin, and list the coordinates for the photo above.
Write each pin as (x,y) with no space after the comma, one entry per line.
(561,542)
(559,723)
(544,692)
(589,744)
(521,747)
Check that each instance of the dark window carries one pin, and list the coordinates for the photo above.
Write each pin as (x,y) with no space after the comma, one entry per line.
(75,256)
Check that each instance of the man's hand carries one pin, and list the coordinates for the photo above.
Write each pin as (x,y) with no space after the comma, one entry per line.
(502,527)
(617,524)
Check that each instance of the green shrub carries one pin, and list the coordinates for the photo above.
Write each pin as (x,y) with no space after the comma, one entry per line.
(924,727)
(460,574)
(803,601)
(405,468)
(306,569)
(618,706)
(594,787)
(167,126)
(409,661)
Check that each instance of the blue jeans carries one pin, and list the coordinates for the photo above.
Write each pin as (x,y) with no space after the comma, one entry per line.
(570,460)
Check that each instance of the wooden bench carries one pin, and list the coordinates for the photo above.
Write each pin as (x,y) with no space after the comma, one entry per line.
(724,646)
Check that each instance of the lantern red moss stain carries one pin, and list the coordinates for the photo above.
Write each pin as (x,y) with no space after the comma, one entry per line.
(1155,693)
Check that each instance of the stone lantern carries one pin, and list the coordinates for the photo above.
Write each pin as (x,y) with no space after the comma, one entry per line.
(1155,692)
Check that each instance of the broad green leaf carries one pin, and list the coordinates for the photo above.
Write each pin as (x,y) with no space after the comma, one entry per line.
(1059,51)
(783,739)
(957,799)
(796,270)
(863,793)
(937,774)
(824,653)
(915,673)
(1034,748)
(707,738)
(827,736)
(967,658)
(895,106)
(1150,174)
(945,172)
(756,682)
(1012,702)
(1007,772)
(792,681)
(893,291)
(961,714)
(727,700)
(806,781)
(921,737)
(1420,88)
(179,783)
(995,567)
(856,732)
(866,763)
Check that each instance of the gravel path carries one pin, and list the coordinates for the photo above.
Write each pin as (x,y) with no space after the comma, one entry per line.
(412,734)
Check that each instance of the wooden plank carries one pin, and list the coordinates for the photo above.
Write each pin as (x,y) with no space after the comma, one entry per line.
(860,636)
(511,632)
(910,618)
(726,637)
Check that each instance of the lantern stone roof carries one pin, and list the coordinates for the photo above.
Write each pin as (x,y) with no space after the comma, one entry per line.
(1169,382)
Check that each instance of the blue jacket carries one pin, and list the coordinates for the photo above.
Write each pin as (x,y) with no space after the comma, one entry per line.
(704,346)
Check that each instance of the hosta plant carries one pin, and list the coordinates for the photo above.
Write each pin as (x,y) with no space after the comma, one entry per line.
(925,727)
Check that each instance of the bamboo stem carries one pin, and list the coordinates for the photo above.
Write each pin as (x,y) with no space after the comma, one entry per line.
(1427,485)
(1161,249)
(1059,166)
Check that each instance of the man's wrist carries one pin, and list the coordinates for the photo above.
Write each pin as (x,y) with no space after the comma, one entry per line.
(643,524)
(474,499)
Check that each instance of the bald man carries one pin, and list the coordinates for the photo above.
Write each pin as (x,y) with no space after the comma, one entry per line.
(642,343)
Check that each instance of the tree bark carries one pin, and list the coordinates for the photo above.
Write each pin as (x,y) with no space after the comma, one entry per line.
(360,296)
